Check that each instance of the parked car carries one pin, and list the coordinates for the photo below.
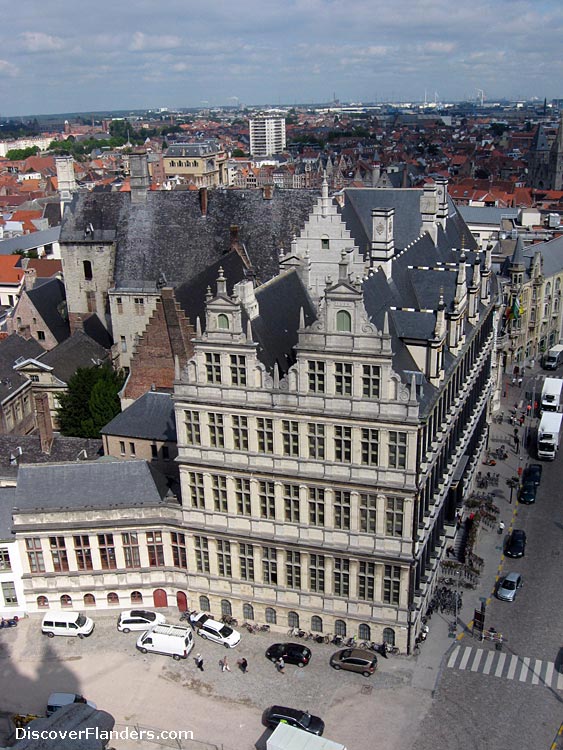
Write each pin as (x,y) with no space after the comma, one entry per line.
(355,660)
(215,631)
(58,700)
(508,587)
(293,653)
(139,619)
(533,473)
(528,492)
(295,718)
(516,545)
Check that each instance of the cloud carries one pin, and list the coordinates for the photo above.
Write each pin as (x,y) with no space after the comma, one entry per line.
(7,69)
(37,41)
(150,42)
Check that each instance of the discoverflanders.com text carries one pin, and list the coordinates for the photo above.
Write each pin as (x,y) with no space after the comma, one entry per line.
(129,733)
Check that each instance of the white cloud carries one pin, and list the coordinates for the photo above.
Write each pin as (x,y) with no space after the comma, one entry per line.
(149,42)
(7,69)
(37,41)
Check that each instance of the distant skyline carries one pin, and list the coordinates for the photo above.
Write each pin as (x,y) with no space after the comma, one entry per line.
(58,56)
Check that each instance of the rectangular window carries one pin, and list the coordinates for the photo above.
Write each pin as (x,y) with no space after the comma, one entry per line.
(193,432)
(265,429)
(91,301)
(267,496)
(366,581)
(139,304)
(83,552)
(316,376)
(368,506)
(290,436)
(394,516)
(165,453)
(370,446)
(342,509)
(9,594)
(216,430)
(132,449)
(201,554)
(343,444)
(179,551)
(123,344)
(238,369)
(35,555)
(317,573)
(213,367)
(122,447)
(119,302)
(293,570)
(240,432)
(154,451)
(242,494)
(107,551)
(316,506)
(155,549)
(343,378)
(291,502)
(270,565)
(341,576)
(130,542)
(197,491)
(5,564)
(371,377)
(397,450)
(220,493)
(316,440)
(40,335)
(224,564)
(58,553)
(246,560)
(391,584)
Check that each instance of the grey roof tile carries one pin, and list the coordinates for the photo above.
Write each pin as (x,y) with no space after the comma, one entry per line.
(150,417)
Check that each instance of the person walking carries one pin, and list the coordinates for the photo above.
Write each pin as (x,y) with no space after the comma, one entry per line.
(516,443)
(199,662)
(243,665)
(280,664)
(224,664)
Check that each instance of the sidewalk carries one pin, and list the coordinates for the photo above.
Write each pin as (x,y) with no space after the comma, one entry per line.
(430,660)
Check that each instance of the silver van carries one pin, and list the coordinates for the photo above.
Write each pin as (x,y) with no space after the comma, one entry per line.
(67,623)
(171,640)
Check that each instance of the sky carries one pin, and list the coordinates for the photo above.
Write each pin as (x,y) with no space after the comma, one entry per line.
(59,56)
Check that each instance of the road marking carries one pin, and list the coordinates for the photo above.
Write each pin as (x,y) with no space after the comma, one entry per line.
(500,664)
(453,657)
(536,672)
(548,674)
(512,667)
(524,670)
(560,681)
(465,657)
(488,662)
(476,660)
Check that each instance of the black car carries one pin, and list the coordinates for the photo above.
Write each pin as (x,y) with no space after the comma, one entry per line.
(295,718)
(516,545)
(532,473)
(292,653)
(528,492)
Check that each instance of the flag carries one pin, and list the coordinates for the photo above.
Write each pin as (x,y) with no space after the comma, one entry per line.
(515,309)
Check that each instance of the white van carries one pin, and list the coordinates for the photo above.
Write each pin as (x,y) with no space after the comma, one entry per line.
(58,700)
(66,623)
(172,640)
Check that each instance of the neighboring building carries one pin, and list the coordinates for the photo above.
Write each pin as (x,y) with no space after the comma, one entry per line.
(41,314)
(202,164)
(12,600)
(267,135)
(12,280)
(17,414)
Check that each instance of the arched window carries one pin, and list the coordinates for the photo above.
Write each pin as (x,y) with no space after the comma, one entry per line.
(325,242)
(248,611)
(316,624)
(223,322)
(87,266)
(293,620)
(136,597)
(340,627)
(557,285)
(548,288)
(226,608)
(89,600)
(66,601)
(204,603)
(343,321)
(42,602)
(389,636)
(113,598)
(271,616)
(364,632)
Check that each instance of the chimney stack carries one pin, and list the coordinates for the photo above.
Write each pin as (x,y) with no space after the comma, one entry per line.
(44,424)
(203,201)
(268,192)
(139,175)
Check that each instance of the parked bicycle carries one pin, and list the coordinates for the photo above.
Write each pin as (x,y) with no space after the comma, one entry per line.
(228,620)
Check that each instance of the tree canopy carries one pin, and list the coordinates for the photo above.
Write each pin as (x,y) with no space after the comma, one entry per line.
(91,401)
(19,154)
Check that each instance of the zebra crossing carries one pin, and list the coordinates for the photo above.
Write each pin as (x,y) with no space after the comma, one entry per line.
(506,666)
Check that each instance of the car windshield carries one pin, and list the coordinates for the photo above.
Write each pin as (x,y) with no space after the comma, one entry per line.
(509,585)
(225,631)
(80,621)
(305,720)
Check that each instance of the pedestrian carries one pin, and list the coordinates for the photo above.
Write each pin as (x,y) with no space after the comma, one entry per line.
(532,363)
(514,380)
(243,665)
(280,664)
(199,662)
(520,382)
(516,444)
(224,664)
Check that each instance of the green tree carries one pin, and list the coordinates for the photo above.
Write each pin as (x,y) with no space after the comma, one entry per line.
(90,402)
(238,152)
(18,154)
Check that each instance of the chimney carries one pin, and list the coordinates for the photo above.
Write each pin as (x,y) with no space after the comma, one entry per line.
(268,192)
(203,201)
(382,240)
(66,181)
(245,292)
(139,175)
(428,210)
(44,424)
(442,196)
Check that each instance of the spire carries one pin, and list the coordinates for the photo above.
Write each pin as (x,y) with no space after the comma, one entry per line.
(343,266)
(476,273)
(248,331)
(301,318)
(386,324)
(413,388)
(221,282)
(325,200)
(276,376)
(198,327)
(460,286)
(440,327)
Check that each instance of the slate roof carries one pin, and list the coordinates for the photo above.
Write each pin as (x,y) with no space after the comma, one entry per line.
(150,417)
(49,299)
(487,215)
(7,497)
(201,148)
(552,256)
(167,232)
(90,484)
(12,348)
(79,350)
(30,241)
(62,449)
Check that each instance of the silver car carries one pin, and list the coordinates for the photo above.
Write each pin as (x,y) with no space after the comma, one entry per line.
(508,587)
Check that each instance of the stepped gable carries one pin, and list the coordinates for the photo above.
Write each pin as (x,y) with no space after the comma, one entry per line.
(168,335)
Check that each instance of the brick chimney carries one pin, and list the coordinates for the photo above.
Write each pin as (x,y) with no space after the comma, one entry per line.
(44,424)
(203,200)
(268,192)
(139,175)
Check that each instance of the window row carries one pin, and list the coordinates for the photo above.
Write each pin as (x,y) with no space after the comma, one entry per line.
(217,365)
(338,378)
(88,600)
(293,503)
(366,446)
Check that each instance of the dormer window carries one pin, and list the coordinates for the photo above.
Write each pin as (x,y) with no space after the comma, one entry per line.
(343,321)
(223,322)
(325,243)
